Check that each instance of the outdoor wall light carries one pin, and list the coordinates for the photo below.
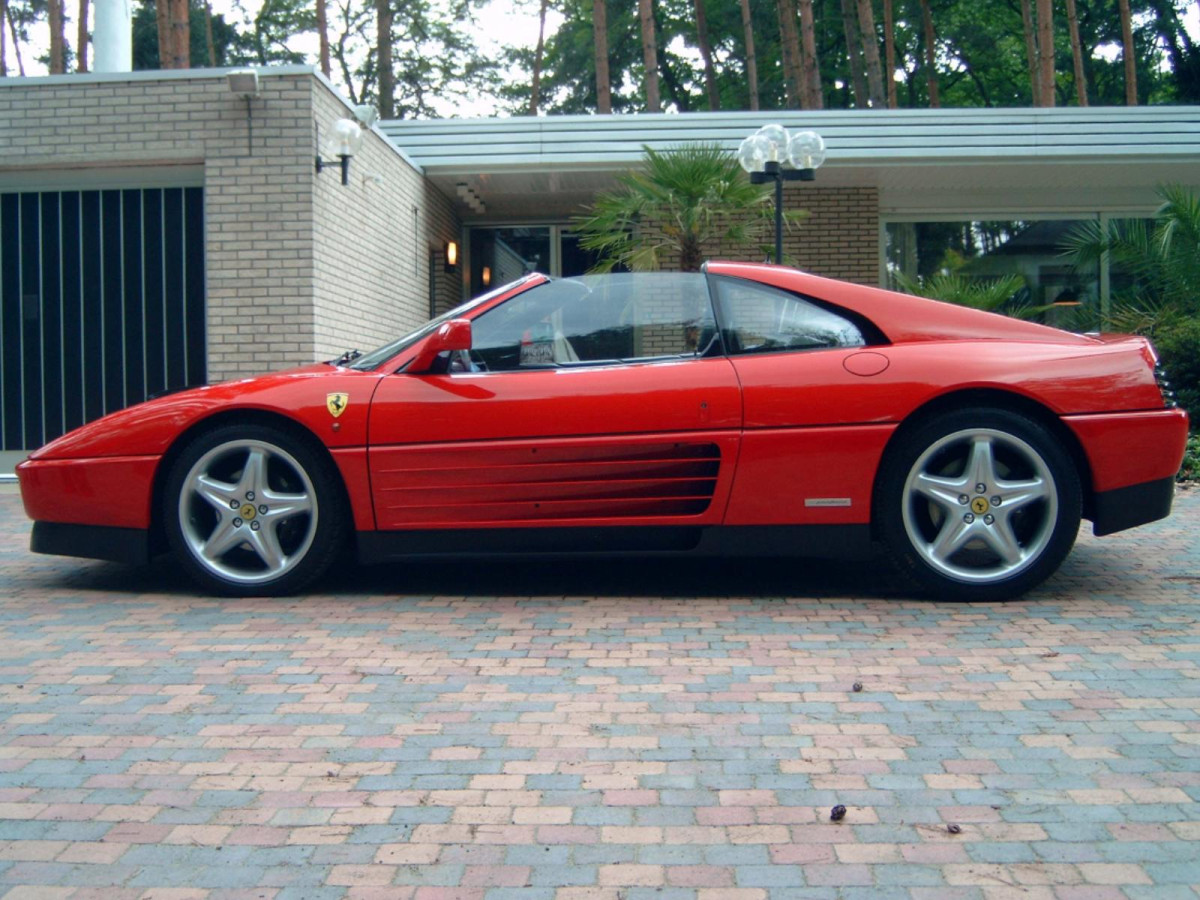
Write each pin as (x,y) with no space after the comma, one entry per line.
(450,254)
(771,154)
(486,276)
(344,142)
(244,83)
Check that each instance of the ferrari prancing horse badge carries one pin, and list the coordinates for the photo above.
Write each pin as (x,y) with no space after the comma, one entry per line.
(337,403)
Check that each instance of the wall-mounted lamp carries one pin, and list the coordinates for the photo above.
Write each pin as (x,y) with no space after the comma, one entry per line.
(244,83)
(450,254)
(345,141)
(486,276)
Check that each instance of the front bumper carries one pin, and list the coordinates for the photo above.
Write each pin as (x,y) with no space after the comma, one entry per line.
(125,545)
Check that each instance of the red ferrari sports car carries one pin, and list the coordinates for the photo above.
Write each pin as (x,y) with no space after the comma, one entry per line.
(747,410)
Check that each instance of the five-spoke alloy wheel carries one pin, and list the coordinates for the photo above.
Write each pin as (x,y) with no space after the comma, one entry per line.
(978,504)
(252,510)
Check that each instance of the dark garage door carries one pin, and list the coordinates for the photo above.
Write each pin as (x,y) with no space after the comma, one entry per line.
(102,304)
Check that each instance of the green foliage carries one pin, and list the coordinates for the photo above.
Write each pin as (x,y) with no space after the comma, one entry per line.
(1007,295)
(1178,346)
(1190,470)
(229,47)
(1163,299)
(1162,259)
(685,202)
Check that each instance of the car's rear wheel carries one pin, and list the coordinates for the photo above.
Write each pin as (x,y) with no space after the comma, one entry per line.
(252,509)
(978,504)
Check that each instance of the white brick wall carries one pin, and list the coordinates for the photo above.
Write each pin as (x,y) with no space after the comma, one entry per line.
(298,267)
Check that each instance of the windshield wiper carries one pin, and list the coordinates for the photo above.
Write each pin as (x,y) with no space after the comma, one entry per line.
(348,357)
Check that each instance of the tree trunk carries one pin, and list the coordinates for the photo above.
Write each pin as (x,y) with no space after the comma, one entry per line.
(1031,52)
(1131,95)
(58,50)
(710,76)
(181,34)
(383,59)
(889,53)
(649,55)
(751,62)
(789,43)
(854,53)
(870,42)
(1045,42)
(208,35)
(930,55)
(536,86)
(1077,55)
(81,39)
(600,37)
(162,17)
(812,71)
(322,37)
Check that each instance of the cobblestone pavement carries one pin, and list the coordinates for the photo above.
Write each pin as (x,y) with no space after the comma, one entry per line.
(617,730)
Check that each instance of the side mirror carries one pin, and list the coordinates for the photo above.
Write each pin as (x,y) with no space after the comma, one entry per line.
(450,336)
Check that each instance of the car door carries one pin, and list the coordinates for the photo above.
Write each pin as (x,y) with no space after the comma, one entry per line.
(595,401)
(813,407)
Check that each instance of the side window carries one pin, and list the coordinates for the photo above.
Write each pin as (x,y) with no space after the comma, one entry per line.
(596,320)
(762,319)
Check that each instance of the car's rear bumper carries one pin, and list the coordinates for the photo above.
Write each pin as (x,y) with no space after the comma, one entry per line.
(1131,506)
(126,545)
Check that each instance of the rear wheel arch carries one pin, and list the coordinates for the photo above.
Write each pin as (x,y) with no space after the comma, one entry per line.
(158,540)
(994,398)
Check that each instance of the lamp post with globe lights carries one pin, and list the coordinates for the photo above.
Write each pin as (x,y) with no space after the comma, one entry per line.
(771,154)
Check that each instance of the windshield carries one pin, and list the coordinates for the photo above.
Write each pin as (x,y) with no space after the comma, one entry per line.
(378,357)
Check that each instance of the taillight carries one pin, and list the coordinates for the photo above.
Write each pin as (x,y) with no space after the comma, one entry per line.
(1164,386)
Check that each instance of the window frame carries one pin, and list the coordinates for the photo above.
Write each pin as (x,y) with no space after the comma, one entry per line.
(715,348)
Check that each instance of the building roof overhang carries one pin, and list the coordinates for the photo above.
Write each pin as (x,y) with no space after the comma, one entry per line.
(923,162)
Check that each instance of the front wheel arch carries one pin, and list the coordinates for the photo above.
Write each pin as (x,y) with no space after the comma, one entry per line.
(158,540)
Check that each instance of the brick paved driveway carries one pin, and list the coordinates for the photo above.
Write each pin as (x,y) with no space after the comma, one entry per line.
(602,731)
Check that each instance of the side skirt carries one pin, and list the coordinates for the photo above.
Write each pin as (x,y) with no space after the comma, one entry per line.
(825,541)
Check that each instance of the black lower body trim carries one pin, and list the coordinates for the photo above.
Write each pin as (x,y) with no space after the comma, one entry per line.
(125,545)
(828,541)
(1130,506)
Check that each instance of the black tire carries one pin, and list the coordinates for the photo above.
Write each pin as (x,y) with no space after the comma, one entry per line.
(953,540)
(254,510)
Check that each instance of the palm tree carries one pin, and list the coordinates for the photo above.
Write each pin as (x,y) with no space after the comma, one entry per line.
(682,204)
(1163,259)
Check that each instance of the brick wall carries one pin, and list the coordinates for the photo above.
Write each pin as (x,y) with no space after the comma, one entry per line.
(839,238)
(298,266)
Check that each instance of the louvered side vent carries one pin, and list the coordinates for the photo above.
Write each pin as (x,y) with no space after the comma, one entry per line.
(558,482)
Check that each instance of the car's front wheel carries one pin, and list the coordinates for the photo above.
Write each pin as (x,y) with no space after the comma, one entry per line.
(978,504)
(253,509)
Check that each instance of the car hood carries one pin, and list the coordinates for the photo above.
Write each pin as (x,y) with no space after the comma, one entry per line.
(151,427)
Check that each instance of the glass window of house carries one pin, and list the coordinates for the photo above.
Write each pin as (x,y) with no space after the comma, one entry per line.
(597,320)
(979,251)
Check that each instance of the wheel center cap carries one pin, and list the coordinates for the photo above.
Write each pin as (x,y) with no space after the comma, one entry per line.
(980,505)
(247,511)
